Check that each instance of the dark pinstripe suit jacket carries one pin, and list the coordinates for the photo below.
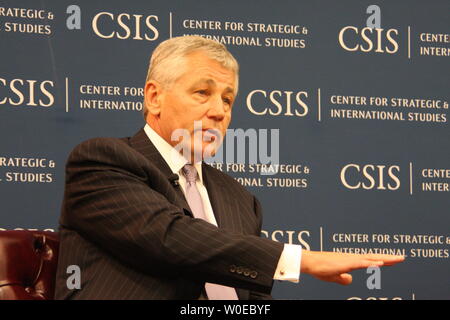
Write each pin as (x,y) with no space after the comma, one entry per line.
(133,235)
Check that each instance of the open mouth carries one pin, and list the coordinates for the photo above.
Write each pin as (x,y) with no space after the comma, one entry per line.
(209,134)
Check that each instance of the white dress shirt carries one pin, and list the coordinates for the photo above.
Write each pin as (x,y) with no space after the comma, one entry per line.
(288,268)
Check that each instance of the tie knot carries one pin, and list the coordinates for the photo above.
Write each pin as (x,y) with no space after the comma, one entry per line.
(190,173)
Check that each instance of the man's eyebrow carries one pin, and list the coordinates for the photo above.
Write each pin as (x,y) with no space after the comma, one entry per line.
(229,90)
(212,83)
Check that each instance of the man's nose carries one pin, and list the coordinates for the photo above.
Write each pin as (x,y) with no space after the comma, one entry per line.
(217,109)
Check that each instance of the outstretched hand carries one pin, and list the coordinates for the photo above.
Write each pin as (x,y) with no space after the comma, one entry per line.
(335,267)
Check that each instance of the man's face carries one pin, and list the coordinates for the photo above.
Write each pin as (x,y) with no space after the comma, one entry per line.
(205,92)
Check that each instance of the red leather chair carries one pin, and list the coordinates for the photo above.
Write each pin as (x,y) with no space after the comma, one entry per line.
(28,261)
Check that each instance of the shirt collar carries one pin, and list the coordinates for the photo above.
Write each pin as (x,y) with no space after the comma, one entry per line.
(172,157)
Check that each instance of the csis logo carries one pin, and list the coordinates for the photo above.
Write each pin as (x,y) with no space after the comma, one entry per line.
(23,92)
(277,102)
(370,177)
(121,26)
(125,26)
(289,236)
(372,38)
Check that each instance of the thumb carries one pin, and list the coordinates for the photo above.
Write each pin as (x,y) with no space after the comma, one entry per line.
(345,278)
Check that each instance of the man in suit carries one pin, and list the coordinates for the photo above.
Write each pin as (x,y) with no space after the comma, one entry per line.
(145,218)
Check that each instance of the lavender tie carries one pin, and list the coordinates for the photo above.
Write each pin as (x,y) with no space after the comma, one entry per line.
(214,291)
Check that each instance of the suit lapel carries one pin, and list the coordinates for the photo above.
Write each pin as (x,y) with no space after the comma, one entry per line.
(141,143)
(224,206)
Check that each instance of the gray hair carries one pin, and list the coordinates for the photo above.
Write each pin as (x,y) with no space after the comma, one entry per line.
(166,62)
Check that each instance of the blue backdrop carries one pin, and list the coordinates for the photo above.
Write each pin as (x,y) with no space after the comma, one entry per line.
(358,90)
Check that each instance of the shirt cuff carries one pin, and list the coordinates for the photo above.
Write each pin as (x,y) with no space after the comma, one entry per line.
(288,268)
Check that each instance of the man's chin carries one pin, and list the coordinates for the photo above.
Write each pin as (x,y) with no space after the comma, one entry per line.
(206,152)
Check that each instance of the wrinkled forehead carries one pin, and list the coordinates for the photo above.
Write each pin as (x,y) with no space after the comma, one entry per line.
(200,68)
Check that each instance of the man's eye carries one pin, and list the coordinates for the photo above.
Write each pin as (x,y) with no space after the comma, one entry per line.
(202,92)
(227,100)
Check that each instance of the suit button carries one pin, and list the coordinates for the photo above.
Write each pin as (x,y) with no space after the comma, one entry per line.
(239,270)
(246,272)
(233,268)
(253,274)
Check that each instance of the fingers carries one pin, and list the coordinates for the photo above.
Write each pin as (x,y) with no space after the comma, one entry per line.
(368,261)
(393,260)
(335,267)
(390,260)
(364,264)
(387,258)
(330,266)
(368,264)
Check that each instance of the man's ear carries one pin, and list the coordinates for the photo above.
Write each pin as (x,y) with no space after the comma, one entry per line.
(153,94)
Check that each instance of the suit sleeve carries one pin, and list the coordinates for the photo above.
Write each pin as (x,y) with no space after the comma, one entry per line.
(255,295)
(116,202)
